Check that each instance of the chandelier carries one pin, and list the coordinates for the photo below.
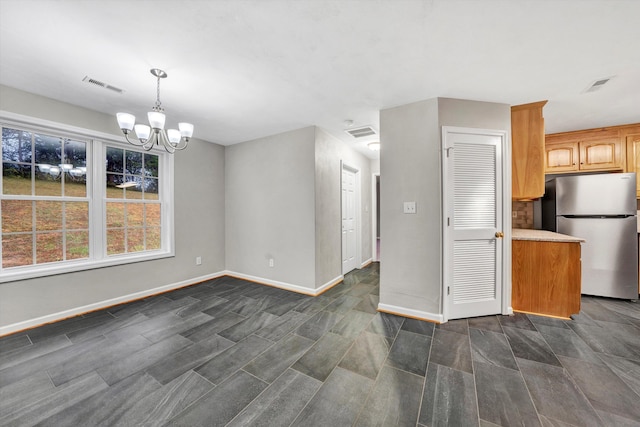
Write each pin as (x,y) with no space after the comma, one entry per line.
(155,135)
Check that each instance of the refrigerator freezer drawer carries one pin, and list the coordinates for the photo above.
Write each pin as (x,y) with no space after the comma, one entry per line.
(601,194)
(609,254)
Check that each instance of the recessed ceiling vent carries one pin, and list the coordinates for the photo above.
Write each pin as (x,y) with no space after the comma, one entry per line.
(597,85)
(98,83)
(361,132)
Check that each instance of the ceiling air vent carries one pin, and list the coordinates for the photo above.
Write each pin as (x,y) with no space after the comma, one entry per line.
(98,83)
(361,132)
(597,85)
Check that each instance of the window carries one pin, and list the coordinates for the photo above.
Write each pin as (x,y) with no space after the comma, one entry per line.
(133,208)
(71,202)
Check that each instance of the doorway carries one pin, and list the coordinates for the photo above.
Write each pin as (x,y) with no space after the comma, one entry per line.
(375,218)
(350,218)
(475,214)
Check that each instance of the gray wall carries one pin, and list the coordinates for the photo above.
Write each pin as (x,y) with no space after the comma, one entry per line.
(199,225)
(410,247)
(410,170)
(329,153)
(270,207)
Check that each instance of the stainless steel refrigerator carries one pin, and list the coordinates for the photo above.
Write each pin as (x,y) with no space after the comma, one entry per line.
(602,210)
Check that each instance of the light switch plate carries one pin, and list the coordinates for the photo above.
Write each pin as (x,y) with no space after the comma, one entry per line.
(409,207)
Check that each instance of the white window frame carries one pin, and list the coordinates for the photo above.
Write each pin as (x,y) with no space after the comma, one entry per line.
(96,193)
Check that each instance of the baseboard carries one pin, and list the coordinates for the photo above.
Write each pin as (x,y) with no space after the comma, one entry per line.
(408,312)
(330,284)
(76,311)
(366,263)
(274,283)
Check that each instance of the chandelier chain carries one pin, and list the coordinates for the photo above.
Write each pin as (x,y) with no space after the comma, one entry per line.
(158,106)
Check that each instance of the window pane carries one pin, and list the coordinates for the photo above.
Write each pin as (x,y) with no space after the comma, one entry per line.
(135,239)
(48,216)
(133,191)
(150,165)
(48,150)
(16,216)
(76,215)
(115,160)
(135,214)
(151,188)
(16,179)
(48,247)
(77,244)
(17,250)
(113,189)
(115,215)
(115,242)
(152,214)
(48,180)
(153,238)
(16,145)
(134,163)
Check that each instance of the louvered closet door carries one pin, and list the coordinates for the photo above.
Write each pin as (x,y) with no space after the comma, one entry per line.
(475,209)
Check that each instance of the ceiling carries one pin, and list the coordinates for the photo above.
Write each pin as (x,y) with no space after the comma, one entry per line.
(244,69)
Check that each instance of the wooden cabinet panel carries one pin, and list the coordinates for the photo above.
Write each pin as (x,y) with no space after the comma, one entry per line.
(527,151)
(546,277)
(561,157)
(602,154)
(633,158)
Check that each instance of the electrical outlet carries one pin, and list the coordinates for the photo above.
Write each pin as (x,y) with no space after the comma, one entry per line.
(271,262)
(198,260)
(409,207)
(514,214)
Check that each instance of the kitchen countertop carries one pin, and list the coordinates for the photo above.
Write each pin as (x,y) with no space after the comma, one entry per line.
(542,236)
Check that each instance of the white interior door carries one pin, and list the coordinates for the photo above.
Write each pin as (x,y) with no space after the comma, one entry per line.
(474,220)
(349,220)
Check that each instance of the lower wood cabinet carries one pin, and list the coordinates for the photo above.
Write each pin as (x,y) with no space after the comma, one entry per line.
(546,277)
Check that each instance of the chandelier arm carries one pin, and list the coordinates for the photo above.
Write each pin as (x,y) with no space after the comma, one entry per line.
(151,142)
(139,142)
(166,143)
(182,147)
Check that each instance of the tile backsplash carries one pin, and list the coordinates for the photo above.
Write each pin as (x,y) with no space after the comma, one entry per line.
(524,215)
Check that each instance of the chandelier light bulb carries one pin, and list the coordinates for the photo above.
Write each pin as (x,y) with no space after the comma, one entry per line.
(156,119)
(174,136)
(126,121)
(142,132)
(186,129)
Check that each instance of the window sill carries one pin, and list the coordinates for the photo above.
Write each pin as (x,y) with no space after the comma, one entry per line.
(44,270)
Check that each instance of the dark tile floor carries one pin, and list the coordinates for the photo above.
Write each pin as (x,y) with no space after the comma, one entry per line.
(231,352)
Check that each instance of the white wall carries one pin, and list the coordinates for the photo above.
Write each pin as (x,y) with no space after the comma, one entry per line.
(410,170)
(329,153)
(270,208)
(199,226)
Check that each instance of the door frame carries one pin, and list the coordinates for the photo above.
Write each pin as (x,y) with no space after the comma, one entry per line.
(374,218)
(447,247)
(358,225)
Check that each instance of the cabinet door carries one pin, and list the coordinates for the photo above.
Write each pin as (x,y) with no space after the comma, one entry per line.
(601,154)
(527,151)
(561,157)
(633,159)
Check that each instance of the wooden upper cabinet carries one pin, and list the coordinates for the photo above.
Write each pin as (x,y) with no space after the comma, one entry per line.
(562,157)
(527,151)
(633,158)
(601,154)
(584,151)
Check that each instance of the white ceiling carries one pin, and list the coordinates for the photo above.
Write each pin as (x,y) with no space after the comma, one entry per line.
(243,69)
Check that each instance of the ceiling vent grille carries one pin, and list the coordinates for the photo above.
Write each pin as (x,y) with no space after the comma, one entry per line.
(98,83)
(597,85)
(361,132)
